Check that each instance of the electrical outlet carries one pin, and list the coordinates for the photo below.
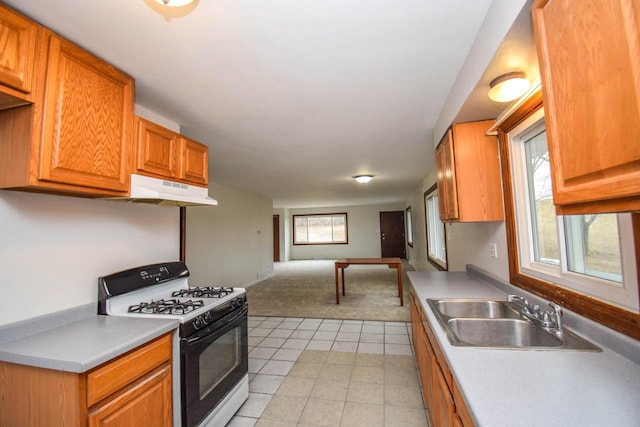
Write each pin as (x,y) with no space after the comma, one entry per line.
(493,250)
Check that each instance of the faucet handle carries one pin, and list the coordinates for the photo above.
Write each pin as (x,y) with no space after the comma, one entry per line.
(556,312)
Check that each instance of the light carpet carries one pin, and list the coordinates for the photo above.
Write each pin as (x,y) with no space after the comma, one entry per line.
(307,289)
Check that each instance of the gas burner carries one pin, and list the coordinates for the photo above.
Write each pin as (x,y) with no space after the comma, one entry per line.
(203,292)
(169,306)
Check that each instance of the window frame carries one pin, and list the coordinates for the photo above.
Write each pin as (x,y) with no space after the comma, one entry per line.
(409,224)
(316,215)
(612,316)
(559,271)
(442,265)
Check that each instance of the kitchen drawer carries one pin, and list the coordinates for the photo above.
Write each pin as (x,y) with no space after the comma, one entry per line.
(111,377)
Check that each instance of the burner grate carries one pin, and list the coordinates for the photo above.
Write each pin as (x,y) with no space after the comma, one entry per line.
(203,292)
(166,306)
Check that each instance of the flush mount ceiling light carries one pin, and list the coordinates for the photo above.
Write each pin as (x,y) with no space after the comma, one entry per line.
(363,179)
(174,3)
(508,87)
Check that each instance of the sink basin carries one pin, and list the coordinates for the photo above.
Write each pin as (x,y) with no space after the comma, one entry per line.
(501,333)
(486,309)
(489,323)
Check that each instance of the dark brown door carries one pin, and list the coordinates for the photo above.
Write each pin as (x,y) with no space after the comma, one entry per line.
(392,234)
(276,238)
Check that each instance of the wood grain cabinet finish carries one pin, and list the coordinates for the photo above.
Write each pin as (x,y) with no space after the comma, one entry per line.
(589,54)
(17,56)
(133,389)
(195,162)
(163,153)
(158,150)
(444,402)
(87,121)
(468,174)
(75,138)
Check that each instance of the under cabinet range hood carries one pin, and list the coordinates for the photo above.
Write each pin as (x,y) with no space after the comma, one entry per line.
(145,189)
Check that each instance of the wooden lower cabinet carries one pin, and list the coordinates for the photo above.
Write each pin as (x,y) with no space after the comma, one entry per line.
(133,389)
(445,405)
(146,400)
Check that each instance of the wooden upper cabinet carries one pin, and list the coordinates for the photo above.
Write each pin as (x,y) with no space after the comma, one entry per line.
(589,54)
(195,162)
(468,174)
(88,116)
(75,138)
(17,53)
(163,153)
(157,150)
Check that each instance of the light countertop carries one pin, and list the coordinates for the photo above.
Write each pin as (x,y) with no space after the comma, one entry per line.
(83,344)
(505,387)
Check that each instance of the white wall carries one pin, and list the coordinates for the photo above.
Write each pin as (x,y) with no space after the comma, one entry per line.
(230,244)
(364,232)
(469,244)
(54,248)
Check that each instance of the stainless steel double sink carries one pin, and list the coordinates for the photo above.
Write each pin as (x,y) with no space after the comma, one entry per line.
(490,323)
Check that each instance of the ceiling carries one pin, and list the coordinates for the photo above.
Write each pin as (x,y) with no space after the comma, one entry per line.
(293,97)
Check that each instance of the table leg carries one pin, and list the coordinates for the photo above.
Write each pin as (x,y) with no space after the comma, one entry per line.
(337,288)
(343,294)
(400,284)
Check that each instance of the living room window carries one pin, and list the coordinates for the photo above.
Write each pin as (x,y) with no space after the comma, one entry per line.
(591,254)
(320,229)
(436,234)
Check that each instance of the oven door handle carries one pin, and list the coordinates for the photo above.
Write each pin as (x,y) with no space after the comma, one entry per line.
(221,323)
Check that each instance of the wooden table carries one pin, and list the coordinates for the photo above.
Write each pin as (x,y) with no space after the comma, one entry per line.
(341,264)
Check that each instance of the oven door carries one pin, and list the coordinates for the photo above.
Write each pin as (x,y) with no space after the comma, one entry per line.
(213,361)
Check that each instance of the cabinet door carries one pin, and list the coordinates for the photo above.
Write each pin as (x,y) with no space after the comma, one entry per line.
(88,118)
(446,179)
(450,182)
(443,401)
(158,150)
(476,172)
(442,193)
(17,50)
(148,402)
(426,375)
(195,162)
(589,53)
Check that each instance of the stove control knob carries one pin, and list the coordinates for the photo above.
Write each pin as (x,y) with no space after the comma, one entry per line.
(198,323)
(207,318)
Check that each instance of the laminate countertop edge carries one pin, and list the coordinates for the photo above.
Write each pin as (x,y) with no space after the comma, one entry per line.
(517,387)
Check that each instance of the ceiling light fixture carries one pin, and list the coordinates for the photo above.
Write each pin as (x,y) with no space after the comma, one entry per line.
(508,87)
(363,179)
(175,3)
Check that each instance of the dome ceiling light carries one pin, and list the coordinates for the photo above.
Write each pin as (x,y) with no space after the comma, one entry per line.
(363,179)
(508,87)
(175,3)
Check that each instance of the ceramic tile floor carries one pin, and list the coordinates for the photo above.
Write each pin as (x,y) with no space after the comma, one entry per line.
(328,372)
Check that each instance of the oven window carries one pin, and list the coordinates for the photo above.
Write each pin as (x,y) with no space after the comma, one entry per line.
(219,360)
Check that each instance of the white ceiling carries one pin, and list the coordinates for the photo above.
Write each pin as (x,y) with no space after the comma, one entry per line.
(293,97)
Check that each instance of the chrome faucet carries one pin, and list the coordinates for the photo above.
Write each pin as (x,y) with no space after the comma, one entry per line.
(550,319)
(516,298)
